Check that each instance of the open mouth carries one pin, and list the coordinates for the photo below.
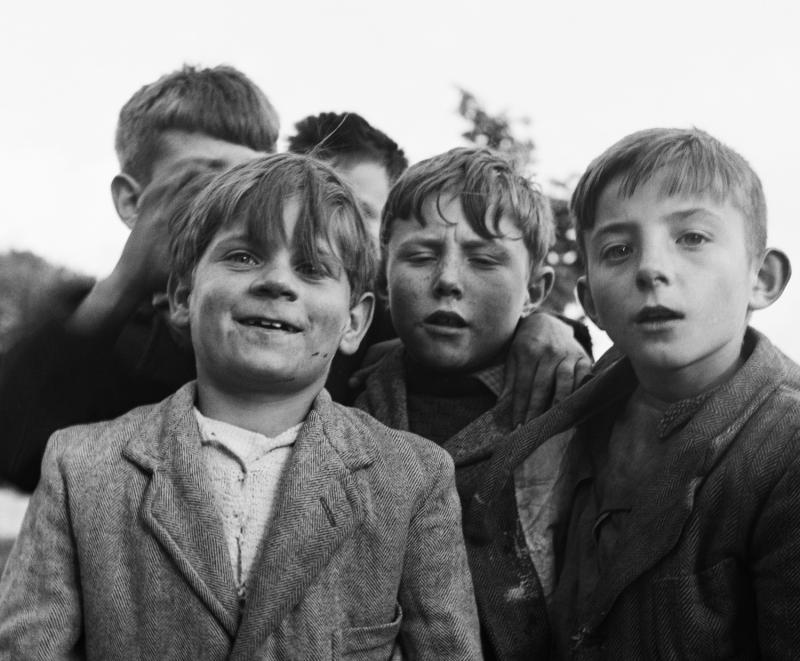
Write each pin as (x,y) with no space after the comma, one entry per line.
(447,319)
(269,324)
(655,314)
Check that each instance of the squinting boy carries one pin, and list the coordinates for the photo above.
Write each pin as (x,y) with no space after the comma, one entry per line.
(248,516)
(680,537)
(464,240)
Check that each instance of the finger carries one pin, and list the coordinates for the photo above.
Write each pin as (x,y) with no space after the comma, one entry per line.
(582,370)
(359,377)
(541,389)
(565,379)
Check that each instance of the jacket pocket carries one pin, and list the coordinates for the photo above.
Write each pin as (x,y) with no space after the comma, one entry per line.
(379,642)
(703,615)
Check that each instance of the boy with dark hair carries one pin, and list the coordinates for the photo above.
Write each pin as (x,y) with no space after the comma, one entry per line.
(464,240)
(681,512)
(368,159)
(114,350)
(247,515)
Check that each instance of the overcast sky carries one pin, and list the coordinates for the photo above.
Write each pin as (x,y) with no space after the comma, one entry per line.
(585,73)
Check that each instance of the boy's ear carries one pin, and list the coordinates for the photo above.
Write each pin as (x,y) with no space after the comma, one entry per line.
(770,279)
(585,297)
(125,192)
(178,291)
(359,321)
(539,288)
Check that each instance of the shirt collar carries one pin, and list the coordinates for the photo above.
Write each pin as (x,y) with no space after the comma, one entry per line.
(492,377)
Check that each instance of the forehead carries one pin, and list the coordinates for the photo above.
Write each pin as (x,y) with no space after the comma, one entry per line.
(177,147)
(651,201)
(443,217)
(368,179)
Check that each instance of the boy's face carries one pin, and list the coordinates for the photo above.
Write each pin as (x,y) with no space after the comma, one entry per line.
(178,147)
(670,278)
(454,296)
(370,184)
(267,322)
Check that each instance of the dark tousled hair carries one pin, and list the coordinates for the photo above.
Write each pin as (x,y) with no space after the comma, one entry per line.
(254,194)
(488,187)
(693,162)
(342,137)
(220,102)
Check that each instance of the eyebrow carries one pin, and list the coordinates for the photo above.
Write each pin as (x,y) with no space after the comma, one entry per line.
(675,216)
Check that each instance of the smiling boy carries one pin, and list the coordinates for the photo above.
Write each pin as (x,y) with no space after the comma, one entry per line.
(680,530)
(248,516)
(464,239)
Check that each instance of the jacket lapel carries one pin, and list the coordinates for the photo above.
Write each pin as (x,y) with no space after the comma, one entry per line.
(385,395)
(178,506)
(386,399)
(655,528)
(320,506)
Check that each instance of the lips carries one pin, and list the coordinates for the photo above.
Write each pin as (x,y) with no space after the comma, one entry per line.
(446,319)
(653,314)
(269,324)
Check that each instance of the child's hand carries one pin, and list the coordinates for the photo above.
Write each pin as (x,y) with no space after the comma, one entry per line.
(544,365)
(371,359)
(145,258)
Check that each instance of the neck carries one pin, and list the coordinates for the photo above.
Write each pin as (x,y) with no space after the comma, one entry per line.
(673,384)
(269,414)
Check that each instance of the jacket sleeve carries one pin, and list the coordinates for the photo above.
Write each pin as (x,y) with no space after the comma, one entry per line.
(776,566)
(440,619)
(40,602)
(49,380)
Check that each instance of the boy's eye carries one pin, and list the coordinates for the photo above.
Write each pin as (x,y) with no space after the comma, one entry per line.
(313,271)
(692,239)
(483,260)
(616,252)
(241,257)
(421,257)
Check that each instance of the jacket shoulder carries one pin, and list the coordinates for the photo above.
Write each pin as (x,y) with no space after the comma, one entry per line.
(403,448)
(86,448)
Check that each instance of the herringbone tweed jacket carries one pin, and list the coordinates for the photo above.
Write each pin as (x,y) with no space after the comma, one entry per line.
(122,554)
(709,564)
(511,603)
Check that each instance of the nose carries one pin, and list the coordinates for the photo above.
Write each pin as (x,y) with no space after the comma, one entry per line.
(654,267)
(447,279)
(275,281)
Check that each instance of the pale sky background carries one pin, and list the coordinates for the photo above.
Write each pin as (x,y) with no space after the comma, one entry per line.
(586,73)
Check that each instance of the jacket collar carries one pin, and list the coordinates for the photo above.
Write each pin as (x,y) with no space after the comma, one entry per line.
(320,504)
(386,399)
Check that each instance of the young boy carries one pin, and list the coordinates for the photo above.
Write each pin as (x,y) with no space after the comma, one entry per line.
(248,516)
(682,505)
(113,350)
(548,357)
(364,156)
(464,240)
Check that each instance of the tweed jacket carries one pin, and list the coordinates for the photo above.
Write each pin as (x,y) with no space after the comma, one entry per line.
(511,603)
(122,553)
(708,566)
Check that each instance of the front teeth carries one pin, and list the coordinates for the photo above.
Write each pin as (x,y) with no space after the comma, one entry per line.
(272,325)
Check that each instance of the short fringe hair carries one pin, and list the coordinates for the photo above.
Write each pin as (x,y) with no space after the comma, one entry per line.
(254,194)
(488,187)
(694,162)
(220,102)
(342,137)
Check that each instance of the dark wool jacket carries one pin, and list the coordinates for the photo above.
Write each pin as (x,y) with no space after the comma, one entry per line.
(511,604)
(122,553)
(709,564)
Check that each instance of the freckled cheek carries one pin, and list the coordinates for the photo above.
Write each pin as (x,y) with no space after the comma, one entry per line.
(406,292)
